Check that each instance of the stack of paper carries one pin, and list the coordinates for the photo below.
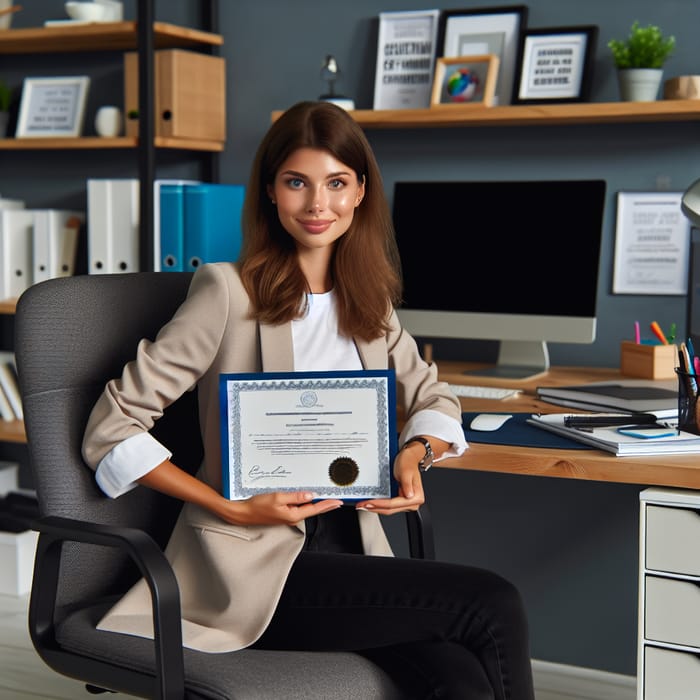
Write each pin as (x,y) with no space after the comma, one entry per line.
(621,439)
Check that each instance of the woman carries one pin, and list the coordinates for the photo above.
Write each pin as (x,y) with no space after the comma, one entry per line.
(315,289)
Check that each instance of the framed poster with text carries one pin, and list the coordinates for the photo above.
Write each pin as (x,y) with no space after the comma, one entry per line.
(405,59)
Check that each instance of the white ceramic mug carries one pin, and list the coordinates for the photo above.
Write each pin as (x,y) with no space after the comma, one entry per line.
(108,121)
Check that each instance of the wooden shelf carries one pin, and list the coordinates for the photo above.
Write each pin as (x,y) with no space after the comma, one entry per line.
(527,115)
(95,142)
(12,431)
(8,306)
(100,36)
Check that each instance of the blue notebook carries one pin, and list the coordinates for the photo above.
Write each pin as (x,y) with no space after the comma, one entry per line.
(212,223)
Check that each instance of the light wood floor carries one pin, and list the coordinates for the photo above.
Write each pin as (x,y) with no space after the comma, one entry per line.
(23,675)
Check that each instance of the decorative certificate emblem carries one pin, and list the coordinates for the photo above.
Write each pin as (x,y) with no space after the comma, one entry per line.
(332,433)
(343,471)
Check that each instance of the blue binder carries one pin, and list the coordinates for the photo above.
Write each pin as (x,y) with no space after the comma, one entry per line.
(212,223)
(172,227)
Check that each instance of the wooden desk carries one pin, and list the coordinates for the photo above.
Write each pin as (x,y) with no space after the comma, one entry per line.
(594,465)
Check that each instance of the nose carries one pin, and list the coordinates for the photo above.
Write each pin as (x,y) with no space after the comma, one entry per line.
(317,200)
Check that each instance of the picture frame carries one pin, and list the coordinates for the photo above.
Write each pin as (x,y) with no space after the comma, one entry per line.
(491,30)
(652,244)
(406,50)
(52,107)
(556,65)
(465,80)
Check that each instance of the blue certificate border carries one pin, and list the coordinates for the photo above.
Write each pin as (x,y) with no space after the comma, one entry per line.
(304,380)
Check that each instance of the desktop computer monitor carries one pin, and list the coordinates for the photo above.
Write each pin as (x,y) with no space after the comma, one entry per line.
(513,261)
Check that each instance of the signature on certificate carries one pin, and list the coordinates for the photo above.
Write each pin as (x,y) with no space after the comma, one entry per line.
(257,472)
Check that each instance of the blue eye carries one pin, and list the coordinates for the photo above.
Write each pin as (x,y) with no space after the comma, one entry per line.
(295,182)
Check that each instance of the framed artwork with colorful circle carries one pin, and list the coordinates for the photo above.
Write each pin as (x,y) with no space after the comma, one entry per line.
(465,80)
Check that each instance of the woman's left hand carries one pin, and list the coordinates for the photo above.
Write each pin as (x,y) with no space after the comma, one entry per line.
(410,495)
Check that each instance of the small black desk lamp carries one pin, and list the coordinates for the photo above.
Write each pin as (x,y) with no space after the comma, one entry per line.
(330,71)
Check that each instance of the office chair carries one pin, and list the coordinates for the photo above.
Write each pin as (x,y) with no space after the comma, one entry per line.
(72,335)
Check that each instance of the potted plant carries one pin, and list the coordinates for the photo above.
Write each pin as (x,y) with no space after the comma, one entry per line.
(5,95)
(639,60)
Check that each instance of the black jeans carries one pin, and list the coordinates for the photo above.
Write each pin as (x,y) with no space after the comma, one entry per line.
(440,630)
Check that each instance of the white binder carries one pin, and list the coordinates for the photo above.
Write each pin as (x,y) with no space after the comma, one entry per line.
(113,225)
(55,242)
(15,251)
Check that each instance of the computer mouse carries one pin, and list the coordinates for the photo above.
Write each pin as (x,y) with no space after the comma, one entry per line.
(489,421)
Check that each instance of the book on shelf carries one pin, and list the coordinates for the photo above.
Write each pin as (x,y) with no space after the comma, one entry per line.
(6,412)
(639,436)
(624,396)
(10,384)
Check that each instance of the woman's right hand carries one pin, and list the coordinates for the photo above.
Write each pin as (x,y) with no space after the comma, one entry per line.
(278,508)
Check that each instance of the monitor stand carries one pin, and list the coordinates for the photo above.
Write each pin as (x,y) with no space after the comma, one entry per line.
(517,359)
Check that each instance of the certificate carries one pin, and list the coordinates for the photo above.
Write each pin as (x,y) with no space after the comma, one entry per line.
(332,433)
(652,244)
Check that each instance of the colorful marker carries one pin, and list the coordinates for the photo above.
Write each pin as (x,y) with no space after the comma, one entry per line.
(656,330)
(637,336)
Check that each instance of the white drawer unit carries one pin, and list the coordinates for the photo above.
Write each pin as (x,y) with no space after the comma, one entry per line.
(668,654)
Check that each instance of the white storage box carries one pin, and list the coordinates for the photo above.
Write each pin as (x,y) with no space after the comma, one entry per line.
(17,551)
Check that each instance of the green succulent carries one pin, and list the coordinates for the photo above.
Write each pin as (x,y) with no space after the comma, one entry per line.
(5,94)
(645,47)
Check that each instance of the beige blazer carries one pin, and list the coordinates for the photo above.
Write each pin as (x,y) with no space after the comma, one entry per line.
(230,576)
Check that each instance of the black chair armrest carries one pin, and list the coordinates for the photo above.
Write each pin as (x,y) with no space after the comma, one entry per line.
(155,568)
(421,543)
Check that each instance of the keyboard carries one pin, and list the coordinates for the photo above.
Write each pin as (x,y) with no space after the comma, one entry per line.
(483,392)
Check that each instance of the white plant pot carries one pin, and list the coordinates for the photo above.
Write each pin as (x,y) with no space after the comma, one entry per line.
(639,84)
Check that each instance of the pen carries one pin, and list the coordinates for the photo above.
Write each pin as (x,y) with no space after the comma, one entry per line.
(584,421)
(637,337)
(672,334)
(656,330)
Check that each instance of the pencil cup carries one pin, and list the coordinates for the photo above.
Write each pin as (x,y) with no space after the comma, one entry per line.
(647,361)
(688,418)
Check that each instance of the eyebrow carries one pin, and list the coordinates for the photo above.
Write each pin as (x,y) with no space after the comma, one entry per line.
(303,176)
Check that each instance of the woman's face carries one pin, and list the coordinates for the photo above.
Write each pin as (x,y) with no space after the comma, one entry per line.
(316,196)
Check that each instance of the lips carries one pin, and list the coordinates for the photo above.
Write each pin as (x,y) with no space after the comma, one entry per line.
(316,225)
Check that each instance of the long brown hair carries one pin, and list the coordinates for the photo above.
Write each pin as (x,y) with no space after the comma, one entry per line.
(365,264)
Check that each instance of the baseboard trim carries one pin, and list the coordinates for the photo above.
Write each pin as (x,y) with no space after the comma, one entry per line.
(562,682)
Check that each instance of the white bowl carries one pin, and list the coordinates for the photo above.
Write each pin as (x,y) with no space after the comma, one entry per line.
(85,11)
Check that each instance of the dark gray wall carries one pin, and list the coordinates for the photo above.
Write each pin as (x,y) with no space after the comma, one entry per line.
(570,546)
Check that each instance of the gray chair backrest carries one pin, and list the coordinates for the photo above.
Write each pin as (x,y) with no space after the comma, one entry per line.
(71,336)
